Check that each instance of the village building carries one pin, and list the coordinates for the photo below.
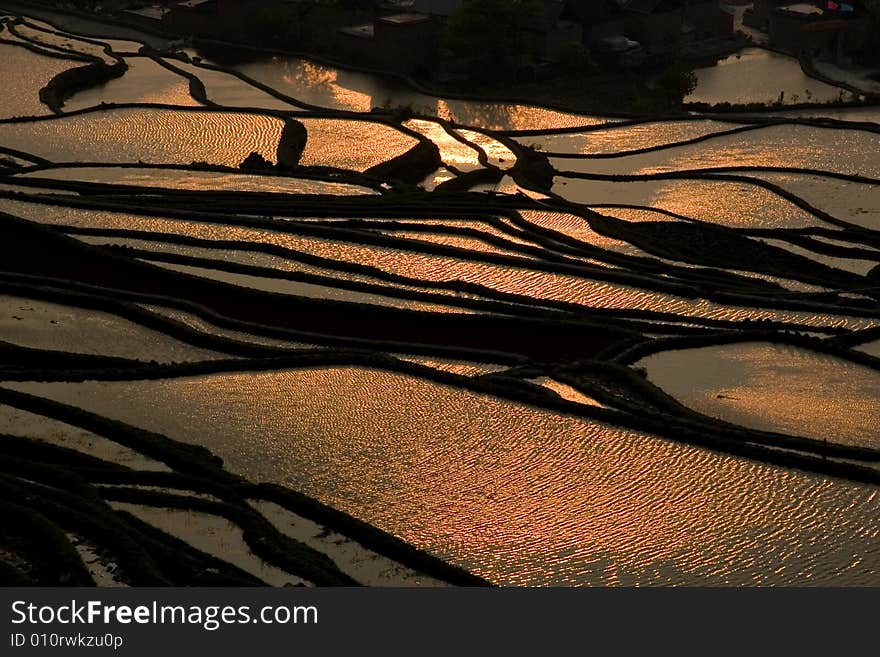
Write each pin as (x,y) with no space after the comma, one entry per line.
(831,33)
(191,16)
(150,17)
(816,28)
(661,26)
(758,16)
(705,19)
(599,19)
(656,24)
(398,42)
(408,42)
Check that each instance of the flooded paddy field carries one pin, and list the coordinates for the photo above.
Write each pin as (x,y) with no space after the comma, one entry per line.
(26,72)
(755,75)
(291,324)
(197,180)
(146,81)
(774,388)
(451,470)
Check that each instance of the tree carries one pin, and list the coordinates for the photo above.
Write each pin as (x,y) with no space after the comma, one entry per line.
(491,34)
(676,83)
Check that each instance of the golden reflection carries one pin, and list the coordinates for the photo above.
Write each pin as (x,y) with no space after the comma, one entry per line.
(57,327)
(352,144)
(145,81)
(775,388)
(201,180)
(756,75)
(537,284)
(68,43)
(157,136)
(497,153)
(796,146)
(506,116)
(731,204)
(24,74)
(322,82)
(452,152)
(566,391)
(617,140)
(521,495)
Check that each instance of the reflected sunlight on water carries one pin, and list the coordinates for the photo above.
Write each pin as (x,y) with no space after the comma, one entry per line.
(183,137)
(504,278)
(842,151)
(615,140)
(64,42)
(296,288)
(157,136)
(44,325)
(519,495)
(350,90)
(452,152)
(755,75)
(24,74)
(775,388)
(731,204)
(200,180)
(145,81)
(354,145)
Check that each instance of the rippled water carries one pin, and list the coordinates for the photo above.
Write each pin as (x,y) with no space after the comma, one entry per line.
(842,151)
(315,291)
(504,278)
(452,240)
(579,229)
(156,136)
(182,137)
(625,138)
(354,145)
(734,204)
(549,286)
(519,495)
(24,74)
(775,388)
(199,180)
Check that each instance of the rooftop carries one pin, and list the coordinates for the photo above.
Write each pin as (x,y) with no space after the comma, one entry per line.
(192,4)
(405,19)
(153,13)
(364,31)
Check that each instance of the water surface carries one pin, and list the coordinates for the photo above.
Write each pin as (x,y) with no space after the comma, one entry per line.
(775,388)
(755,75)
(521,496)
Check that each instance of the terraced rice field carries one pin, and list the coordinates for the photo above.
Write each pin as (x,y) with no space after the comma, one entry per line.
(527,346)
